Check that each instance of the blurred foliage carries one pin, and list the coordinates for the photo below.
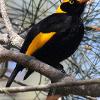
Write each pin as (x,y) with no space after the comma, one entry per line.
(85,62)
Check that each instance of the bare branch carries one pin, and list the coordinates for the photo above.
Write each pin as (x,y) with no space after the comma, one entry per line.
(3,38)
(14,37)
(83,88)
(31,63)
(67,85)
(91,98)
(95,28)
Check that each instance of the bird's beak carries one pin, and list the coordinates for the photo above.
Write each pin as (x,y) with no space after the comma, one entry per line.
(80,1)
(65,0)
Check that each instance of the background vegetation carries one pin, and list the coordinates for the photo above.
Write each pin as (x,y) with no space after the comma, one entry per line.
(83,64)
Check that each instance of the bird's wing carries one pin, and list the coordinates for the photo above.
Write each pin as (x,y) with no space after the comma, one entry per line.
(41,34)
(57,22)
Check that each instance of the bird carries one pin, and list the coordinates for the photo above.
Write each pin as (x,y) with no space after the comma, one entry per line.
(55,38)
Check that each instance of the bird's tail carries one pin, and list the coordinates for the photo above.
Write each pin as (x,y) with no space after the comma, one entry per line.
(29,72)
(13,74)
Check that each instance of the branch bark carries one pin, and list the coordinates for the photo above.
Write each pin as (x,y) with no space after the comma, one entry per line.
(67,85)
(15,39)
(83,88)
(3,38)
(95,28)
(31,63)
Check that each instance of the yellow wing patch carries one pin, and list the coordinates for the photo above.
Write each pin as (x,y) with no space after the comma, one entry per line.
(39,41)
(42,38)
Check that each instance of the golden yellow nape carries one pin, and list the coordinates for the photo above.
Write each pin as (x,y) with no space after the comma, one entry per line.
(59,9)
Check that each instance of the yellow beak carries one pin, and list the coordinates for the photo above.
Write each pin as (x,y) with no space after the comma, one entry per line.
(80,1)
(65,0)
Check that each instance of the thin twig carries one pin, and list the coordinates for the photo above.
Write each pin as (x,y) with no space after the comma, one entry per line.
(14,37)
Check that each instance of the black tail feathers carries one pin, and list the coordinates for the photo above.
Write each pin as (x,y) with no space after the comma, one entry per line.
(13,74)
(29,72)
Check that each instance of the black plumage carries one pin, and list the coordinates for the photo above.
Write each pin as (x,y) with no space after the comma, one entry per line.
(69,33)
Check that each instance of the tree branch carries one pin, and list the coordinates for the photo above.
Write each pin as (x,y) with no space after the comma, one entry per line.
(83,88)
(31,63)
(67,85)
(3,38)
(15,39)
(95,28)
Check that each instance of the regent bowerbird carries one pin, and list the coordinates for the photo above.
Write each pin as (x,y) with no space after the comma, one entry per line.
(54,38)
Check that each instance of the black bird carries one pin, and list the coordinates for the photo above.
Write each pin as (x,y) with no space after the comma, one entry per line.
(55,38)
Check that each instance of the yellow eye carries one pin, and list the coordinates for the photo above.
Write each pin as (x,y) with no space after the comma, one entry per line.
(71,2)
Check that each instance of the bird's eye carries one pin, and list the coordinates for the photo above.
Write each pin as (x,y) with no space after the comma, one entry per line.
(71,2)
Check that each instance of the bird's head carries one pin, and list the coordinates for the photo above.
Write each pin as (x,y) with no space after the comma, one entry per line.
(73,7)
